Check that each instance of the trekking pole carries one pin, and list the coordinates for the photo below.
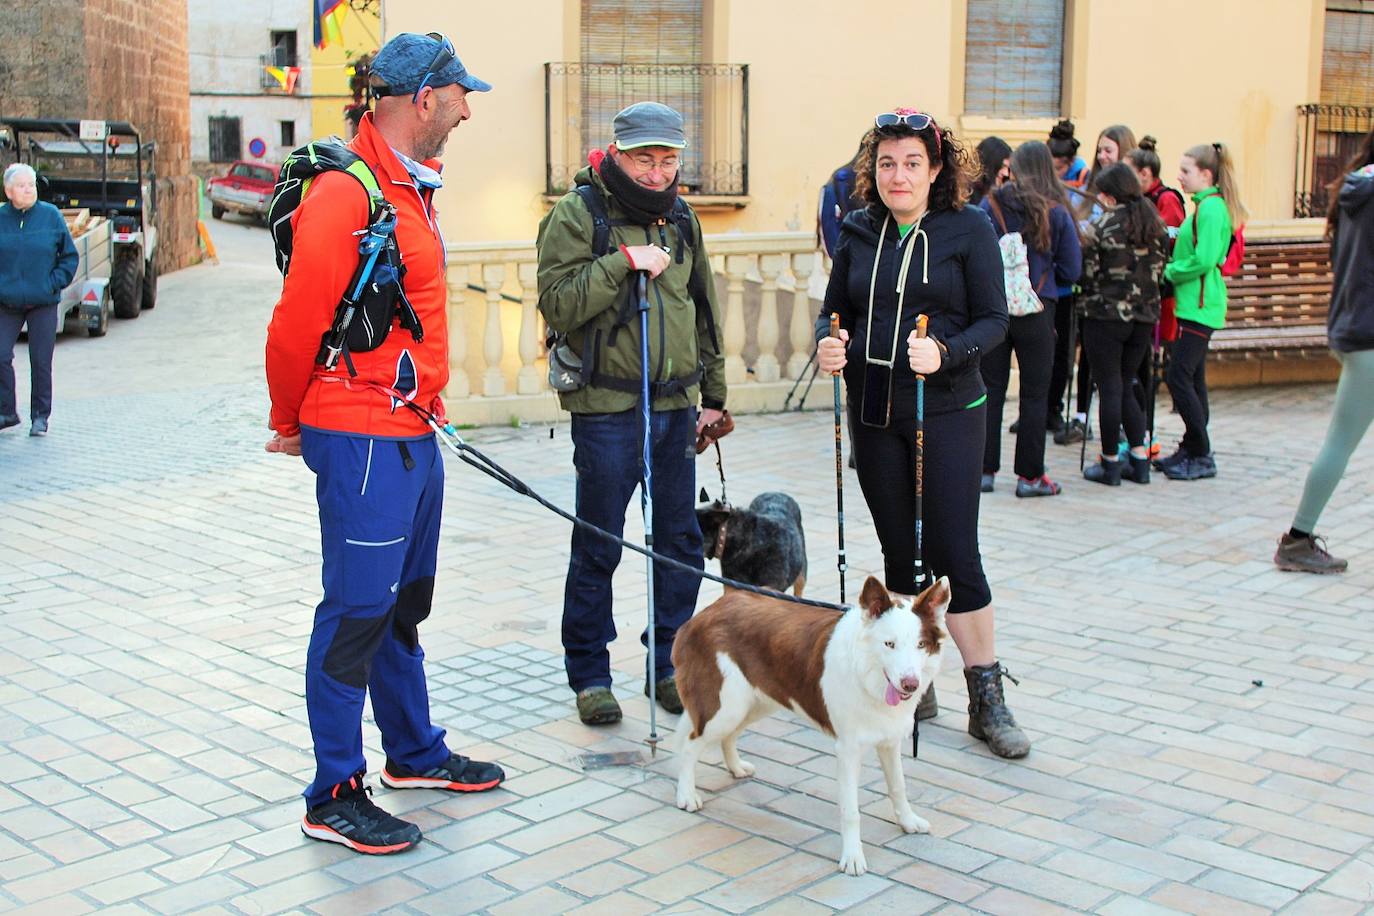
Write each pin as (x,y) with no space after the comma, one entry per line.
(806,392)
(922,577)
(922,573)
(839,459)
(1071,395)
(646,498)
(797,384)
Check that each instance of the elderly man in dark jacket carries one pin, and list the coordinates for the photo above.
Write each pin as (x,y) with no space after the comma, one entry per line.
(587,280)
(37,260)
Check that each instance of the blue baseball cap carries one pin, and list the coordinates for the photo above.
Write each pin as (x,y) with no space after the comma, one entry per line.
(410,61)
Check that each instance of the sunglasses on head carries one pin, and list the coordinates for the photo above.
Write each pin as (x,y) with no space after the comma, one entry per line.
(915,120)
(442,58)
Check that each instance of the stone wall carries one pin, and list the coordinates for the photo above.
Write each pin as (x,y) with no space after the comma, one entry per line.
(119,60)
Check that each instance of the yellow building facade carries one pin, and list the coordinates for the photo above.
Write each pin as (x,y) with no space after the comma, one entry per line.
(330,71)
(1185,71)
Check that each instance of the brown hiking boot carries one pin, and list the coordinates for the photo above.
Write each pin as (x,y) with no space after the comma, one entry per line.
(597,706)
(928,707)
(1306,555)
(988,715)
(666,690)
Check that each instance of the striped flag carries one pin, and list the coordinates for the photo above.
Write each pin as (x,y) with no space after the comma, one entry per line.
(329,22)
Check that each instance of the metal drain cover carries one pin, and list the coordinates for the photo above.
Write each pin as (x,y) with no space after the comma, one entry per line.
(613,759)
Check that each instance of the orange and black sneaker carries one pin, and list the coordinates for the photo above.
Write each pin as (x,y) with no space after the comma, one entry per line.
(351,819)
(456,774)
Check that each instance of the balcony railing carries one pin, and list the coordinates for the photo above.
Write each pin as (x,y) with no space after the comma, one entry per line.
(1328,136)
(498,370)
(581,99)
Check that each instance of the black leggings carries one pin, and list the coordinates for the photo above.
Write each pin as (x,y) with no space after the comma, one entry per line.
(886,463)
(1032,337)
(1187,379)
(1059,376)
(1115,350)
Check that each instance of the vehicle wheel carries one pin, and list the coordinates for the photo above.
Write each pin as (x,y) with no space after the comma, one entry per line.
(149,299)
(217,211)
(103,324)
(126,282)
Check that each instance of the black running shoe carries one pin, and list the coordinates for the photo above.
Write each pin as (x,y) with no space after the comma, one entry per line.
(351,819)
(456,774)
(1179,456)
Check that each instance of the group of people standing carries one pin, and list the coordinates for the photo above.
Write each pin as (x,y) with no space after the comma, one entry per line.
(1119,266)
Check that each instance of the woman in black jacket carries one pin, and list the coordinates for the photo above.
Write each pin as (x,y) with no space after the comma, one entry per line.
(916,249)
(1350,332)
(1123,258)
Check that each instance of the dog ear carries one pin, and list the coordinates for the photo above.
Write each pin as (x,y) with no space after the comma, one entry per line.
(934,601)
(704,497)
(874,599)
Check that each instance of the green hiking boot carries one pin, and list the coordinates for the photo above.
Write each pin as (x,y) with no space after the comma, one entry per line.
(597,706)
(668,698)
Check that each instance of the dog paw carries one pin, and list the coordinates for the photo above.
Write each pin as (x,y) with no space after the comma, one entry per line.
(689,801)
(742,769)
(853,862)
(914,823)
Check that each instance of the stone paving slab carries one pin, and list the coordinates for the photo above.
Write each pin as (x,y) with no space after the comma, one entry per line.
(1203,724)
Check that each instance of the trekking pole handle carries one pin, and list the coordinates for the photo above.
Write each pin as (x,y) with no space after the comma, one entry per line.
(921,322)
(643,287)
(835,331)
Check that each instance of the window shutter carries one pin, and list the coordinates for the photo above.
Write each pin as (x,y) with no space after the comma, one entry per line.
(1014,58)
(637,43)
(1348,54)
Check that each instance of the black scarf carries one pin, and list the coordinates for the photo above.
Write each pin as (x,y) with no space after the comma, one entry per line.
(643,205)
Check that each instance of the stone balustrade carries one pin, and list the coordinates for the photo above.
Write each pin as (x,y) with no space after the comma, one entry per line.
(497,363)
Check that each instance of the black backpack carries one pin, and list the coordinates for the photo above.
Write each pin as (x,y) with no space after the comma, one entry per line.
(566,371)
(375,297)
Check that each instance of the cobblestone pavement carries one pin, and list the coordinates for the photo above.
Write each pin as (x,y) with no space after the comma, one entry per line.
(1203,724)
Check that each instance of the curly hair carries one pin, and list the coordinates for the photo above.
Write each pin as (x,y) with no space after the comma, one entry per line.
(951,188)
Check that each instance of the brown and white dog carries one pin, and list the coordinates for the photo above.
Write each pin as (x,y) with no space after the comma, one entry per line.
(856,676)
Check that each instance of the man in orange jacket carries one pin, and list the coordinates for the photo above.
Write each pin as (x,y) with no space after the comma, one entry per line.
(379,473)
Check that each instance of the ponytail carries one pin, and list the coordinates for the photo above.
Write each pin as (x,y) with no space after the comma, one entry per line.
(1216,158)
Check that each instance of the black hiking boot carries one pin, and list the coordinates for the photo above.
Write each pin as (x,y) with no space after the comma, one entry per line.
(989,719)
(928,707)
(1137,469)
(1105,471)
(351,819)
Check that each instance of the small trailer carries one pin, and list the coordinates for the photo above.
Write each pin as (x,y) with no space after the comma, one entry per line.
(87,301)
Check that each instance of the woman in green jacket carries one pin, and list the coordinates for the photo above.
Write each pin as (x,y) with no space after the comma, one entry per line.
(1207,173)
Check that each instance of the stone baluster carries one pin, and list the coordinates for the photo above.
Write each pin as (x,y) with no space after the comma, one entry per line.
(736,268)
(803,318)
(529,380)
(458,386)
(493,381)
(770,265)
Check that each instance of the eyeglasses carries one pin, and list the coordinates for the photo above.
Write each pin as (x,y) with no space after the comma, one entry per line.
(442,58)
(916,120)
(645,162)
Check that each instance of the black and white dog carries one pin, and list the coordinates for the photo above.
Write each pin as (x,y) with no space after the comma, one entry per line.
(762,544)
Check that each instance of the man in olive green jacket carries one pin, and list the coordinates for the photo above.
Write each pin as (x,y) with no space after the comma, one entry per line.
(622,220)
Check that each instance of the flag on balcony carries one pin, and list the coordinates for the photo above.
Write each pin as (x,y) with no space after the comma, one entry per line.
(285,76)
(329,16)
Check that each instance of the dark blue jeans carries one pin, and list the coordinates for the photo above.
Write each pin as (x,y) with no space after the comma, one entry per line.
(607,454)
(42,322)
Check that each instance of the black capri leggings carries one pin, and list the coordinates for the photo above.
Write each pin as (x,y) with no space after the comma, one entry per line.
(886,463)
(1115,350)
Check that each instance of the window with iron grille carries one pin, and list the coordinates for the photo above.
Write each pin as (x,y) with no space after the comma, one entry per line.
(226,139)
(648,50)
(1014,58)
(1330,132)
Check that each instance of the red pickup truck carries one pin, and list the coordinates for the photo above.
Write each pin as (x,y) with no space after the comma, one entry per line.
(246,189)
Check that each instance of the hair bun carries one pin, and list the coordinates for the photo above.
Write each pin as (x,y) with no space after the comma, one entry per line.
(1062,131)
(1148,142)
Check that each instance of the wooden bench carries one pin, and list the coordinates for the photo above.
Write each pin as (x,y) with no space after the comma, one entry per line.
(1277,303)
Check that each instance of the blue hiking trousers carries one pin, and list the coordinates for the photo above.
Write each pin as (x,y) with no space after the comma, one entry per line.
(380,504)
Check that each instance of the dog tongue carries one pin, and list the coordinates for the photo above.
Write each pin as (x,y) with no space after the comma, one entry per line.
(892,697)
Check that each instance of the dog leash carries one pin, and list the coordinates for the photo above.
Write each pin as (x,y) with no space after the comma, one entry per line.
(448,435)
